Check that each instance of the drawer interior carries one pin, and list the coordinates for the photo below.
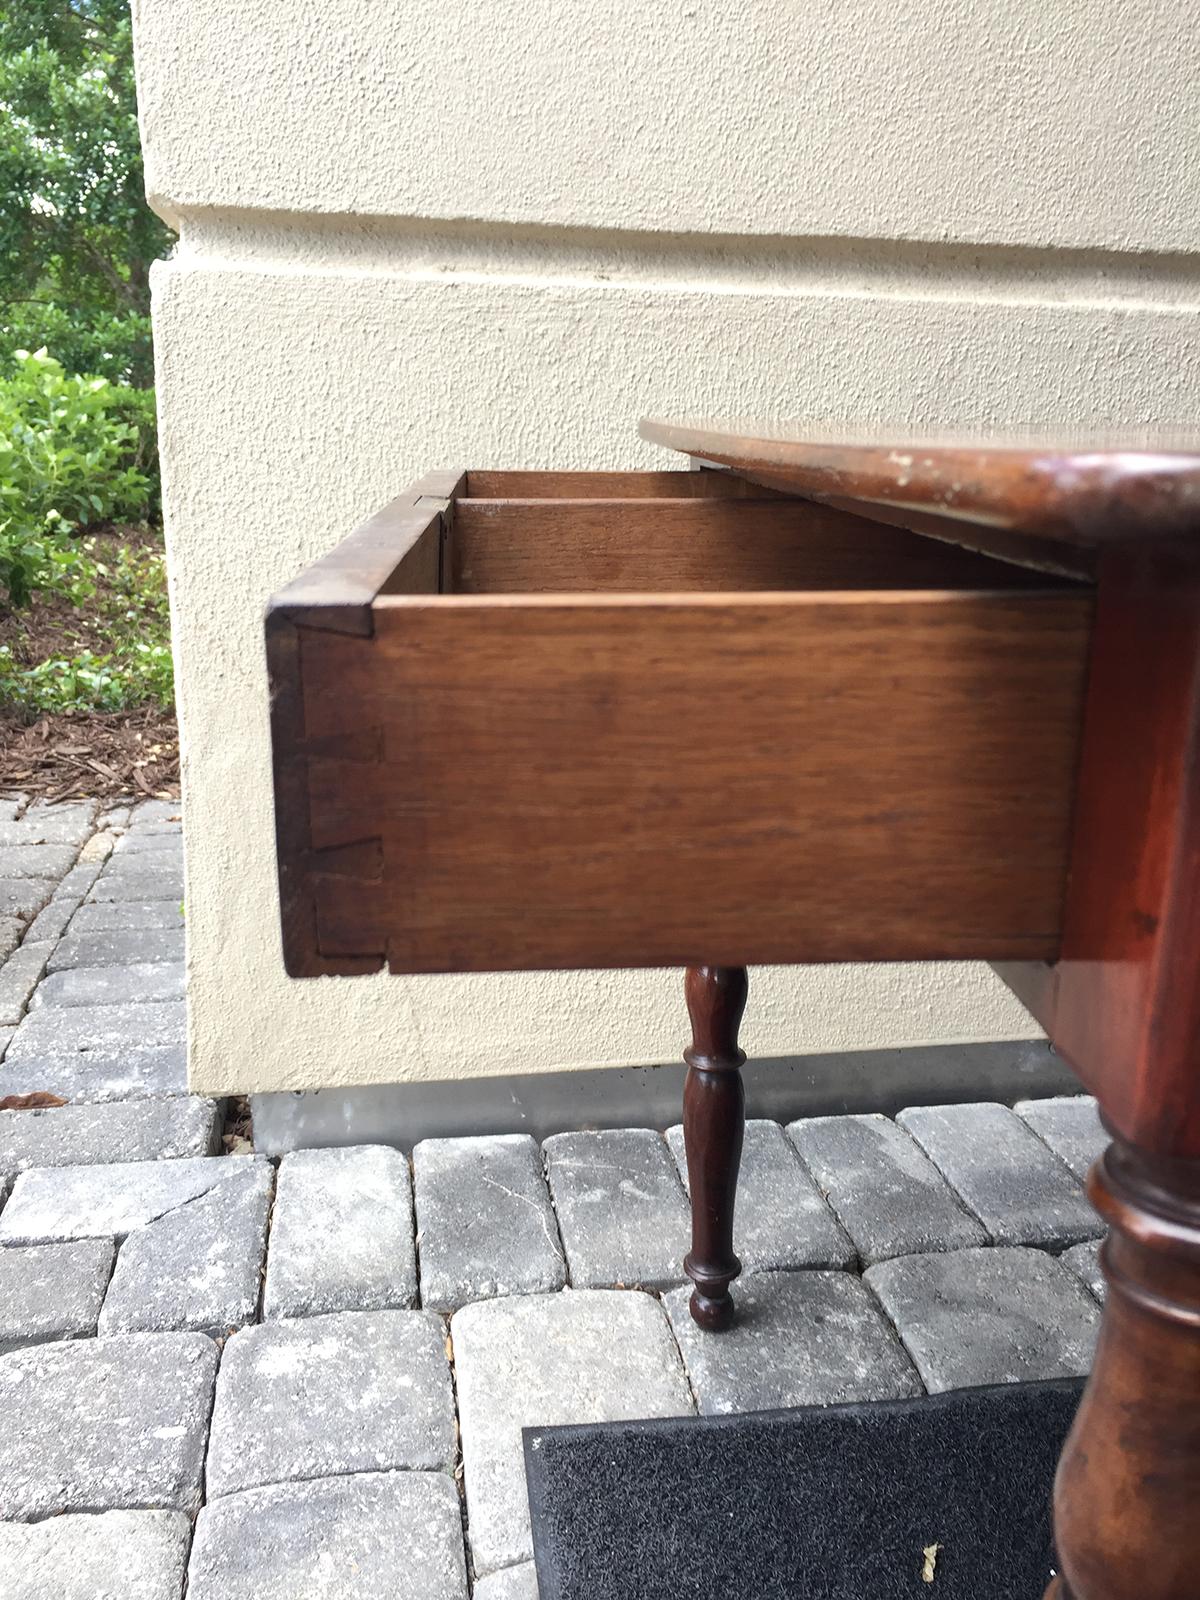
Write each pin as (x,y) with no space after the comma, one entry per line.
(687,532)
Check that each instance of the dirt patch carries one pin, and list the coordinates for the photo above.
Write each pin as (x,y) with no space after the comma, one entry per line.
(91,754)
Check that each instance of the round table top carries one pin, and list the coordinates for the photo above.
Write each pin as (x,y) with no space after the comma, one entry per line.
(1058,483)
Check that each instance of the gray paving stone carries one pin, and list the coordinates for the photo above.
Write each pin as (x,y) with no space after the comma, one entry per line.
(164,847)
(621,1209)
(85,1135)
(889,1196)
(988,1316)
(1084,1261)
(105,986)
(781,1219)
(342,1234)
(511,1583)
(105,1424)
(373,1536)
(151,913)
(800,1339)
(11,806)
(23,898)
(11,930)
(359,1391)
(1019,1190)
(52,1291)
(19,978)
(103,1030)
(117,1555)
(577,1356)
(99,1075)
(486,1223)
(155,811)
(90,1202)
(51,921)
(1071,1126)
(6,1035)
(137,884)
(36,860)
(55,823)
(117,947)
(199,1267)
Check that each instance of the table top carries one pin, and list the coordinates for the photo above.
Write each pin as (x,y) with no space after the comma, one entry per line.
(1063,485)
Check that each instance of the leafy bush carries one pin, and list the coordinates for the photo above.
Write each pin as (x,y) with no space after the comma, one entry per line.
(114,631)
(74,451)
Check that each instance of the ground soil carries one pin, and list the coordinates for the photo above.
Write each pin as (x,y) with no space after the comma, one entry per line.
(99,754)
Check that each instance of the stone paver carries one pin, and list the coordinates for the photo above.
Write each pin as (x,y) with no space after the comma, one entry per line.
(84,1135)
(150,913)
(89,1076)
(105,1424)
(118,1555)
(56,823)
(156,811)
(90,1202)
(118,947)
(150,843)
(576,1356)
(99,1029)
(23,898)
(18,978)
(36,860)
(486,1223)
(781,1219)
(511,1583)
(359,1391)
(198,1267)
(374,1536)
(1019,1190)
(12,930)
(801,1338)
(988,1316)
(1084,1261)
(127,984)
(52,1291)
(6,1035)
(342,1234)
(622,1213)
(889,1196)
(1071,1126)
(142,884)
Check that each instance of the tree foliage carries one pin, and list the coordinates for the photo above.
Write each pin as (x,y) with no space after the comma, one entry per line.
(76,235)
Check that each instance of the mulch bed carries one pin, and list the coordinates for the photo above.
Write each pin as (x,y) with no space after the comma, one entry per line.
(96,755)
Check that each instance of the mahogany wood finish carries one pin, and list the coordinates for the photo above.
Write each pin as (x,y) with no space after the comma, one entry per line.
(714,1121)
(538,720)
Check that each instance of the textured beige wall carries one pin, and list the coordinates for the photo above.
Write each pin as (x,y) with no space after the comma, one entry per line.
(493,236)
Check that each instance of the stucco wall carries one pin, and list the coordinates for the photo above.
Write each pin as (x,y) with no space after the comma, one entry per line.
(425,236)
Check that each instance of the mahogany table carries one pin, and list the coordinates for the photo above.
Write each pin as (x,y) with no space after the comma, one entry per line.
(857,697)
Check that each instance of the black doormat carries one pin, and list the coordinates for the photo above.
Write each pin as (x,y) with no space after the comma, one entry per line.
(945,1498)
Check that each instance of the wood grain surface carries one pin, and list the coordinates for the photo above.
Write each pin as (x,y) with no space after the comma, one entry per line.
(607,781)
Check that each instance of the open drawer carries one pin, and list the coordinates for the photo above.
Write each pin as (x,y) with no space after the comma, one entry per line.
(527,720)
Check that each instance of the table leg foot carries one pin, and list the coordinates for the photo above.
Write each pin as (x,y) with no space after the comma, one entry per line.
(1127,1497)
(714,1118)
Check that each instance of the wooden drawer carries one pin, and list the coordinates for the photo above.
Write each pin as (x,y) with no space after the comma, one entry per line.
(536,720)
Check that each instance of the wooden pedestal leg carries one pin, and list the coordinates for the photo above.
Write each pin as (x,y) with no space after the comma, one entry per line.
(714,1117)
(1127,1498)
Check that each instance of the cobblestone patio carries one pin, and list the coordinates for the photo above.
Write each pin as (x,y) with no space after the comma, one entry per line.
(302,1378)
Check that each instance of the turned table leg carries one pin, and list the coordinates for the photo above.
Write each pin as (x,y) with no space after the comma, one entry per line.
(714,1117)
(1127,1499)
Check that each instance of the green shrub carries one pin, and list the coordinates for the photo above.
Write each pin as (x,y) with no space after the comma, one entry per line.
(74,451)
